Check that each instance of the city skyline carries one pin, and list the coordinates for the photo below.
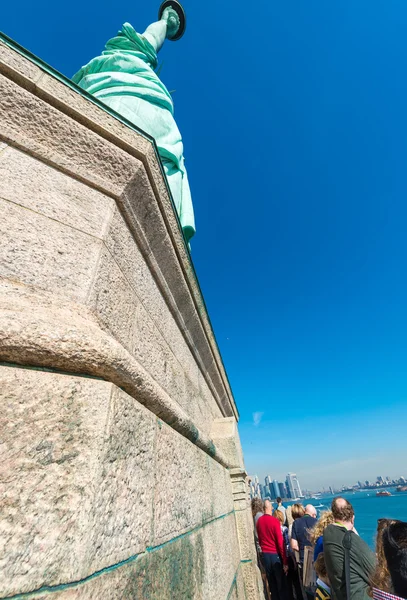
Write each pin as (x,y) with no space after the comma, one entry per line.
(289,488)
(272,488)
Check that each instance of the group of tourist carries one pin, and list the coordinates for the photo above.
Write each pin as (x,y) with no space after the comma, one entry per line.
(344,565)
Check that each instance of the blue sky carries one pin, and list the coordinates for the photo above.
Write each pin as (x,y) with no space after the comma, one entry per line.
(294,118)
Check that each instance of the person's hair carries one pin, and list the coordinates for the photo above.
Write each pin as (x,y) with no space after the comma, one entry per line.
(279,515)
(257,506)
(320,566)
(395,552)
(325,519)
(380,578)
(289,516)
(297,511)
(343,510)
(278,499)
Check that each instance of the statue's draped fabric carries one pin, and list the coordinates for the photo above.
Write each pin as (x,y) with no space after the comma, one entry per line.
(123,77)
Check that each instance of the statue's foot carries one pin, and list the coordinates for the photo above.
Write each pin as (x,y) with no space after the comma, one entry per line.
(173,23)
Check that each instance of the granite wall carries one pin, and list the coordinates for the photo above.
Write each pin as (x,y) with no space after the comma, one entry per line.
(122,474)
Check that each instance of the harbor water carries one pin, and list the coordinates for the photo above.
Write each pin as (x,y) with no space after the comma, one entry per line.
(369,508)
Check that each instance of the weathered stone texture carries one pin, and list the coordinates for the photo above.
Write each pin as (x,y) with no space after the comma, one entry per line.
(42,252)
(240,587)
(90,483)
(63,141)
(75,491)
(127,481)
(195,567)
(86,112)
(190,489)
(252,581)
(31,183)
(13,61)
(130,261)
(225,434)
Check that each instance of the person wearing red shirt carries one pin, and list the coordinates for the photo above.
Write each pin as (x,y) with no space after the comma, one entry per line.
(273,552)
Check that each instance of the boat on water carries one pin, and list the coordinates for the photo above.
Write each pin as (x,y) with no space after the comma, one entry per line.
(383,493)
(401,488)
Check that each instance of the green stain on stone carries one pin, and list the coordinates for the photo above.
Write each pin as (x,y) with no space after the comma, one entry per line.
(175,571)
(194,433)
(211,449)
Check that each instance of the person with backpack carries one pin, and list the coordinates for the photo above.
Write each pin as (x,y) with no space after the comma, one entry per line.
(349,561)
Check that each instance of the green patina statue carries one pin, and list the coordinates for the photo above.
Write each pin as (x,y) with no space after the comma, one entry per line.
(123,77)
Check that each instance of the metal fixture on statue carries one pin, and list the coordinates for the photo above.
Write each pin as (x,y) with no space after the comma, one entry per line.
(124,78)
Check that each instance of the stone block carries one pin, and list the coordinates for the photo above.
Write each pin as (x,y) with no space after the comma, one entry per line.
(114,303)
(252,581)
(118,308)
(121,521)
(76,466)
(245,531)
(124,248)
(206,393)
(33,184)
(42,130)
(240,589)
(195,567)
(120,312)
(221,560)
(39,251)
(12,62)
(226,436)
(132,264)
(94,116)
(190,489)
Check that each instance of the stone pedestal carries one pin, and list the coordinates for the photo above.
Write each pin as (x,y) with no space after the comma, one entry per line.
(117,480)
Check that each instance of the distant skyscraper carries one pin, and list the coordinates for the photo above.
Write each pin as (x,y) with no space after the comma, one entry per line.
(267,479)
(331,490)
(254,487)
(293,486)
(276,489)
(283,490)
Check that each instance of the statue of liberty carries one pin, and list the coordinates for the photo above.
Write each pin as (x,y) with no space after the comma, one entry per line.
(123,77)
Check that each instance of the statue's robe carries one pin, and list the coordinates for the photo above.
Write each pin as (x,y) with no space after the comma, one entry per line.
(123,77)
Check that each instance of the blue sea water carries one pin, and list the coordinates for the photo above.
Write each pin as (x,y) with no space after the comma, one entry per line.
(369,508)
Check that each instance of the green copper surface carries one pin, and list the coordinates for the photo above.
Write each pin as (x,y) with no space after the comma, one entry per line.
(123,78)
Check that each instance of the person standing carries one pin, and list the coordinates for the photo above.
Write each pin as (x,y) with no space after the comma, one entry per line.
(281,508)
(316,535)
(395,552)
(257,512)
(323,590)
(361,559)
(380,581)
(300,531)
(294,589)
(273,552)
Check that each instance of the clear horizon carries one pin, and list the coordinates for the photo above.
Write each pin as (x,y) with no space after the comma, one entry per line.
(295,132)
